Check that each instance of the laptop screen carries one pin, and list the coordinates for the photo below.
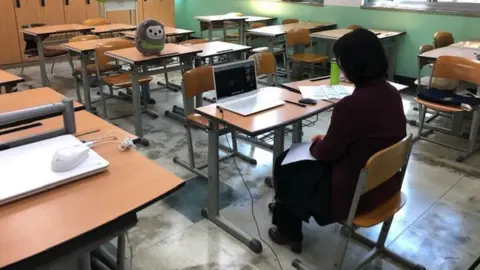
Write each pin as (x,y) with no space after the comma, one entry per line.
(235,79)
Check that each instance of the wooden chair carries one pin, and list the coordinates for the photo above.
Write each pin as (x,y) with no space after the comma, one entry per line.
(77,70)
(116,79)
(380,168)
(196,82)
(290,21)
(299,39)
(423,82)
(354,27)
(96,22)
(31,51)
(231,36)
(442,39)
(265,64)
(460,69)
(193,42)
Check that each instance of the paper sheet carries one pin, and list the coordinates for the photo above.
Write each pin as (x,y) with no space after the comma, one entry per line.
(324,92)
(298,152)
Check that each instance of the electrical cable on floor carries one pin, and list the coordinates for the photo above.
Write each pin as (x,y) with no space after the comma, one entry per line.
(251,200)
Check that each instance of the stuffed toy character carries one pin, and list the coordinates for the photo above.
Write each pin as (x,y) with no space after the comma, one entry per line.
(150,37)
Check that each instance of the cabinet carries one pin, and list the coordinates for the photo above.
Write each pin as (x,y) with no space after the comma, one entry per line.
(51,12)
(160,10)
(92,9)
(27,12)
(10,52)
(75,11)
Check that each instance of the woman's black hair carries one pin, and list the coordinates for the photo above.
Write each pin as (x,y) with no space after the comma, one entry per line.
(361,56)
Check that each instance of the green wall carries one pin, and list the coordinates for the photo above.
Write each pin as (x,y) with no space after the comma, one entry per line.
(419,26)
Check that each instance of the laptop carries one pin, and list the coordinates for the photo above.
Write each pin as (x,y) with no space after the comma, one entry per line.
(236,87)
(26,170)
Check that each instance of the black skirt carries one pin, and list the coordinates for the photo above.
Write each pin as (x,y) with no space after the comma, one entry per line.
(304,189)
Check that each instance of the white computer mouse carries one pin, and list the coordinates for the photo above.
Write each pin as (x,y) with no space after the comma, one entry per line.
(69,158)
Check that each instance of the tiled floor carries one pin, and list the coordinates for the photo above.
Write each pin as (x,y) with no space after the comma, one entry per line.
(439,227)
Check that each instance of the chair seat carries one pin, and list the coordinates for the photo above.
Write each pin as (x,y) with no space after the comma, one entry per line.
(92,68)
(309,58)
(232,35)
(381,213)
(260,49)
(439,83)
(48,53)
(125,80)
(201,121)
(439,107)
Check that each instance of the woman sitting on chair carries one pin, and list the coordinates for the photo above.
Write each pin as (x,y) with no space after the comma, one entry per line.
(362,124)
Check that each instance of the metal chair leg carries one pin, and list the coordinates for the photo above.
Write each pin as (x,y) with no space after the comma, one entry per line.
(472,142)
(22,69)
(342,248)
(422,111)
(77,90)
(191,156)
(102,96)
(53,66)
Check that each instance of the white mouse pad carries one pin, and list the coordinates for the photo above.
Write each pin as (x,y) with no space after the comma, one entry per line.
(27,169)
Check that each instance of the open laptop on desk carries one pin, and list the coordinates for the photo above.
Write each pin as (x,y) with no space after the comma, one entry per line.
(236,87)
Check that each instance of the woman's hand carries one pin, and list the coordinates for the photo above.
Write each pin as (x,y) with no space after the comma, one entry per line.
(317,138)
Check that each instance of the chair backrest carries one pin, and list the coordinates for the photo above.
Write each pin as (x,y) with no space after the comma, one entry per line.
(257,25)
(83,38)
(193,41)
(456,68)
(300,36)
(96,21)
(422,61)
(195,82)
(265,63)
(354,26)
(101,59)
(442,39)
(385,164)
(289,21)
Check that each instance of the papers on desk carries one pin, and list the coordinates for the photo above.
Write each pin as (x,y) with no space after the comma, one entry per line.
(298,152)
(325,92)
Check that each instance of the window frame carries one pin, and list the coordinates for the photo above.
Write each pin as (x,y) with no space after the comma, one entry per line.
(430,6)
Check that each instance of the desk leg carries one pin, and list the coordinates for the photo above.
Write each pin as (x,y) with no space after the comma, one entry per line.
(43,70)
(392,57)
(297,132)
(86,85)
(121,252)
(137,106)
(278,148)
(271,42)
(84,262)
(8,89)
(213,212)
(210,31)
(242,33)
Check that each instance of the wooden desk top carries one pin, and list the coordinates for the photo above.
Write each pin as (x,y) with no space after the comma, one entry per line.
(215,48)
(335,34)
(220,18)
(32,98)
(56,29)
(169,32)
(267,120)
(473,44)
(132,55)
(87,45)
(37,223)
(7,78)
(280,30)
(465,52)
(114,27)
(295,86)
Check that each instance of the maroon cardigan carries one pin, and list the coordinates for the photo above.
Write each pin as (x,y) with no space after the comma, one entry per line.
(362,124)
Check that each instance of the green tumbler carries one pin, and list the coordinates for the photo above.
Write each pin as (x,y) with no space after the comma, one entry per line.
(334,72)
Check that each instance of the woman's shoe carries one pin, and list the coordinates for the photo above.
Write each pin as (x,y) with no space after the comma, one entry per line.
(279,239)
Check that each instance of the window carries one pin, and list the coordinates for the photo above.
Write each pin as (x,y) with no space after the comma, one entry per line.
(445,6)
(312,2)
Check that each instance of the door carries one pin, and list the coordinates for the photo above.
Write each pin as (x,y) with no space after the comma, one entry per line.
(92,9)
(75,11)
(122,16)
(10,52)
(27,12)
(52,12)
(160,10)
